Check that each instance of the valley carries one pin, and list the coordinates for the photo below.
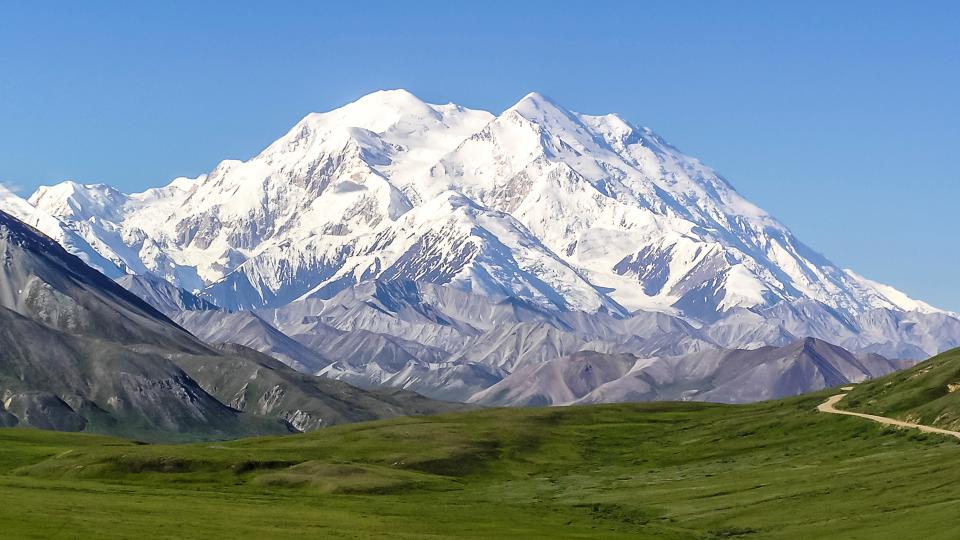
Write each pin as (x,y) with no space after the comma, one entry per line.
(775,470)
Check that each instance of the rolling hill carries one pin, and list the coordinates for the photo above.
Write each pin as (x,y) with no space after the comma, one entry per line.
(685,471)
(927,393)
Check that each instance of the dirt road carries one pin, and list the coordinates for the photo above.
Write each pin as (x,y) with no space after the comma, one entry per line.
(828,407)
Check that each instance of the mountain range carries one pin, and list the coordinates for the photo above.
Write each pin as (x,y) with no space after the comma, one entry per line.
(477,257)
(78,352)
(565,210)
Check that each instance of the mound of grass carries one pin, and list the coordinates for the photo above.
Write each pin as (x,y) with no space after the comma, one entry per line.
(351,479)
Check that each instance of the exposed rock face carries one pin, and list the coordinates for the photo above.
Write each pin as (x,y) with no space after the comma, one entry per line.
(722,376)
(164,296)
(53,380)
(246,328)
(80,353)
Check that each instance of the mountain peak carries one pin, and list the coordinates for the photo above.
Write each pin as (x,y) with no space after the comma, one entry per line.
(397,97)
(536,98)
(73,200)
(380,112)
(392,104)
(536,105)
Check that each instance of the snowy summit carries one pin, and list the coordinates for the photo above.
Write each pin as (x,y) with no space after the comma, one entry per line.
(541,203)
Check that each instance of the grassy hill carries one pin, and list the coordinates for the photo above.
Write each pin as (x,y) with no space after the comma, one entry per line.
(655,470)
(928,393)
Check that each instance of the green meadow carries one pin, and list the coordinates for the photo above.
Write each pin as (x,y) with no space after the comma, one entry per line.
(655,470)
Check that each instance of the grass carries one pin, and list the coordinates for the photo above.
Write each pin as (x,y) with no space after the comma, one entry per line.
(928,393)
(656,470)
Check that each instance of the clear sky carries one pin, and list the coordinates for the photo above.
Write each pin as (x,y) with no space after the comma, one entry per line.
(840,118)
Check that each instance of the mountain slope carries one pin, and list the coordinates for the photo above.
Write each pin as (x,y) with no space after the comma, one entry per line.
(596,187)
(927,393)
(165,297)
(738,376)
(57,230)
(257,384)
(245,328)
(558,381)
(40,280)
(79,352)
(52,380)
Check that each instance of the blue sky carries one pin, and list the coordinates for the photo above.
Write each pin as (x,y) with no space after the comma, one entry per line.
(840,118)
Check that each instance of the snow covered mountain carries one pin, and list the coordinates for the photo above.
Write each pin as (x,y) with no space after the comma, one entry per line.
(442,249)
(73,242)
(568,211)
